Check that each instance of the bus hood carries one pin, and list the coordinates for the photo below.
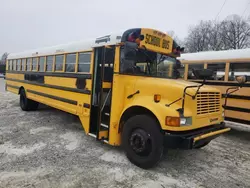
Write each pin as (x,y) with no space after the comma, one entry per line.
(170,89)
(172,85)
(171,92)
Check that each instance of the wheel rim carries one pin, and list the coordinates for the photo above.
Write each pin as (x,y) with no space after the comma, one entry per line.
(141,142)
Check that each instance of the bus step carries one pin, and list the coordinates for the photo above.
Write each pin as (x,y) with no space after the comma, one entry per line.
(103,134)
(107,114)
(93,135)
(104,125)
(106,141)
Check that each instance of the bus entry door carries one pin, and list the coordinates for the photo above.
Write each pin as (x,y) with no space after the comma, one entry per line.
(101,92)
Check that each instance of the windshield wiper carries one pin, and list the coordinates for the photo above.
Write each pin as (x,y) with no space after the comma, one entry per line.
(144,51)
(149,59)
(161,59)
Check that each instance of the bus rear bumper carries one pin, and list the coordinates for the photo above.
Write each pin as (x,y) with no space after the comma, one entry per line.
(194,138)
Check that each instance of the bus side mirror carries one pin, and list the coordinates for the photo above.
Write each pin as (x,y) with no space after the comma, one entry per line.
(130,50)
(203,73)
(178,64)
(241,79)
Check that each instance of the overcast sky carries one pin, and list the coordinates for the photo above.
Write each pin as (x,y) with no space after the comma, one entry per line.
(27,24)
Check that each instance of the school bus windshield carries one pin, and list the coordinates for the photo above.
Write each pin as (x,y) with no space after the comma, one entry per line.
(150,63)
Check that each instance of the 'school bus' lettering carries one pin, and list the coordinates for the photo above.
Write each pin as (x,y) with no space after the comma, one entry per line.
(156,41)
(165,44)
(153,40)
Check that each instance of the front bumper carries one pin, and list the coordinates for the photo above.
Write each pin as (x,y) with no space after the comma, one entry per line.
(193,138)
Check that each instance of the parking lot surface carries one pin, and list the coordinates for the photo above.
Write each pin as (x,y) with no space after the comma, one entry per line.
(48,148)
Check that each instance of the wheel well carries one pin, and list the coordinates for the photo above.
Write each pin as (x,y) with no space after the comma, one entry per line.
(136,110)
(20,89)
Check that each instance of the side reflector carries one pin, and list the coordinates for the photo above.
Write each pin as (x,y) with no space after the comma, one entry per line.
(172,121)
(157,98)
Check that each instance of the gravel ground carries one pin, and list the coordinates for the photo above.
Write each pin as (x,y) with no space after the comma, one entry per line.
(48,148)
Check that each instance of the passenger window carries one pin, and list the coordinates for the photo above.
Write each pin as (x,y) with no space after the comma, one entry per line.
(19,64)
(84,62)
(41,64)
(23,64)
(239,69)
(219,71)
(49,63)
(34,63)
(29,60)
(14,64)
(59,62)
(10,65)
(192,67)
(70,62)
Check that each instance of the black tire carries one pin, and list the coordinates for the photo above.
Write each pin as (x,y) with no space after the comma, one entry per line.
(33,105)
(202,145)
(142,141)
(27,104)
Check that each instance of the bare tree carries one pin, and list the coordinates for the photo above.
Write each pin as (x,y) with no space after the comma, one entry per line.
(231,33)
(215,42)
(3,58)
(198,37)
(175,37)
(3,63)
(235,32)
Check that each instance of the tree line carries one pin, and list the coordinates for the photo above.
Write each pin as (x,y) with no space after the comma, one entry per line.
(230,33)
(3,58)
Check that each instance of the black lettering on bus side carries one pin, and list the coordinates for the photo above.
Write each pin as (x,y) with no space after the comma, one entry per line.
(153,40)
(165,44)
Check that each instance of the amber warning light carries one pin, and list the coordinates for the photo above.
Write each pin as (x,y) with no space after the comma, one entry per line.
(172,121)
(178,50)
(157,98)
(135,37)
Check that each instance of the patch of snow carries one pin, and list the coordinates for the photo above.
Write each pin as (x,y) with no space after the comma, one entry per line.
(13,150)
(72,140)
(40,129)
(115,157)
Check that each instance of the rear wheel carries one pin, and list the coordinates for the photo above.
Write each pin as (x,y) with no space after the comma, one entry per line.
(142,141)
(27,104)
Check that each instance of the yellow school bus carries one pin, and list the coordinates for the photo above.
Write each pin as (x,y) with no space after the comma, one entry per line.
(226,65)
(144,110)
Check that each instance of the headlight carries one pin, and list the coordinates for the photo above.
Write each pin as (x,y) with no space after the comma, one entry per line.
(185,121)
(223,114)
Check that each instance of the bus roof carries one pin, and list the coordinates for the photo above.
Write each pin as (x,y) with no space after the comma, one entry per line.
(85,45)
(216,55)
(154,40)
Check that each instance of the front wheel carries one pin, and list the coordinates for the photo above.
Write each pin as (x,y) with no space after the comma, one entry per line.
(142,141)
